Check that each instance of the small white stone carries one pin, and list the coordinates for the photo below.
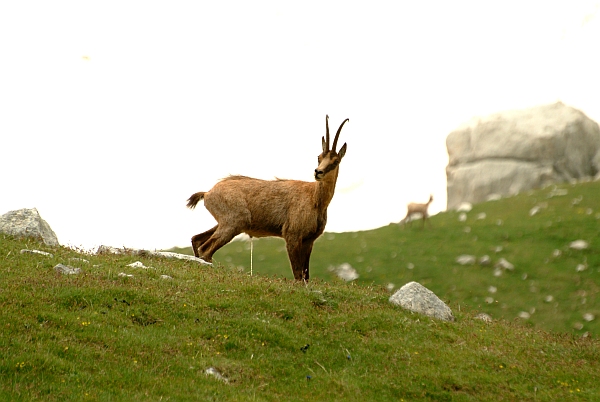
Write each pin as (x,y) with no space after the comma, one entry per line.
(588,317)
(346,272)
(137,264)
(524,315)
(466,259)
(579,245)
(36,252)
(502,263)
(558,192)
(211,371)
(67,270)
(549,298)
(492,289)
(464,207)
(462,217)
(124,275)
(484,317)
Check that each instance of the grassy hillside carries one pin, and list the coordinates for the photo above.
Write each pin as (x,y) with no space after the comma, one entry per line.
(545,285)
(102,336)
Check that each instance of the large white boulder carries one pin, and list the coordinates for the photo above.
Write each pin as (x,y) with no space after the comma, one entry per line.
(510,152)
(27,223)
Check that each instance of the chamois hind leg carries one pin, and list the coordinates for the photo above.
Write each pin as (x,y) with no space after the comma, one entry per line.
(219,238)
(200,239)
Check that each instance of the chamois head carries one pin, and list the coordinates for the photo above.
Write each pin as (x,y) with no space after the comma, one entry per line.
(329,159)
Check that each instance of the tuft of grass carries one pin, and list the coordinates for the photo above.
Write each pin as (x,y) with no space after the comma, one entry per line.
(100,336)
(546,284)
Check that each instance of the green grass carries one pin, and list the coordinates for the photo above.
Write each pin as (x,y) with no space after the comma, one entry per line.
(99,336)
(382,257)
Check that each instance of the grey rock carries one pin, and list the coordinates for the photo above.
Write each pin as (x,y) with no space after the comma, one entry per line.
(579,245)
(28,223)
(484,317)
(178,256)
(67,270)
(345,272)
(485,260)
(503,264)
(148,253)
(466,259)
(417,298)
(29,251)
(213,372)
(514,151)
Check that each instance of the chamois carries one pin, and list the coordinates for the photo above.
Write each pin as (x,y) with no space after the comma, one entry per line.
(414,208)
(292,209)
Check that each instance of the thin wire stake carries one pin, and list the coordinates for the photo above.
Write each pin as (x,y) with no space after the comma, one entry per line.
(251,250)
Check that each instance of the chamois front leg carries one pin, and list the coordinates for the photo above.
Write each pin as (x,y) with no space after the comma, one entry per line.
(299,254)
(200,239)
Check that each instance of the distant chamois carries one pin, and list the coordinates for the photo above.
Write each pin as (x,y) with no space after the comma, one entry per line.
(292,209)
(414,208)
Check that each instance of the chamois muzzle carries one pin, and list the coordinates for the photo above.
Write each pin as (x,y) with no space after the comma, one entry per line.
(319,174)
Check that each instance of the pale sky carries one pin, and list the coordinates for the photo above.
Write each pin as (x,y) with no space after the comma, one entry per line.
(112,113)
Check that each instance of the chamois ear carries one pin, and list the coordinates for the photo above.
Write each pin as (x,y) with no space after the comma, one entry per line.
(324,144)
(342,151)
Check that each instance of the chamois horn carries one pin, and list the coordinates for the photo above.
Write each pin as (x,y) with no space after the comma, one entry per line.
(326,142)
(338,134)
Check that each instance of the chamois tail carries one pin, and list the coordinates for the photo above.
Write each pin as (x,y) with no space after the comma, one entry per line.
(195,199)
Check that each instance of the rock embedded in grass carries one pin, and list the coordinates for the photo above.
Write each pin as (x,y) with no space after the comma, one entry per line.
(485,260)
(466,259)
(213,372)
(579,245)
(464,207)
(67,270)
(417,298)
(505,265)
(484,317)
(138,264)
(345,272)
(29,251)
